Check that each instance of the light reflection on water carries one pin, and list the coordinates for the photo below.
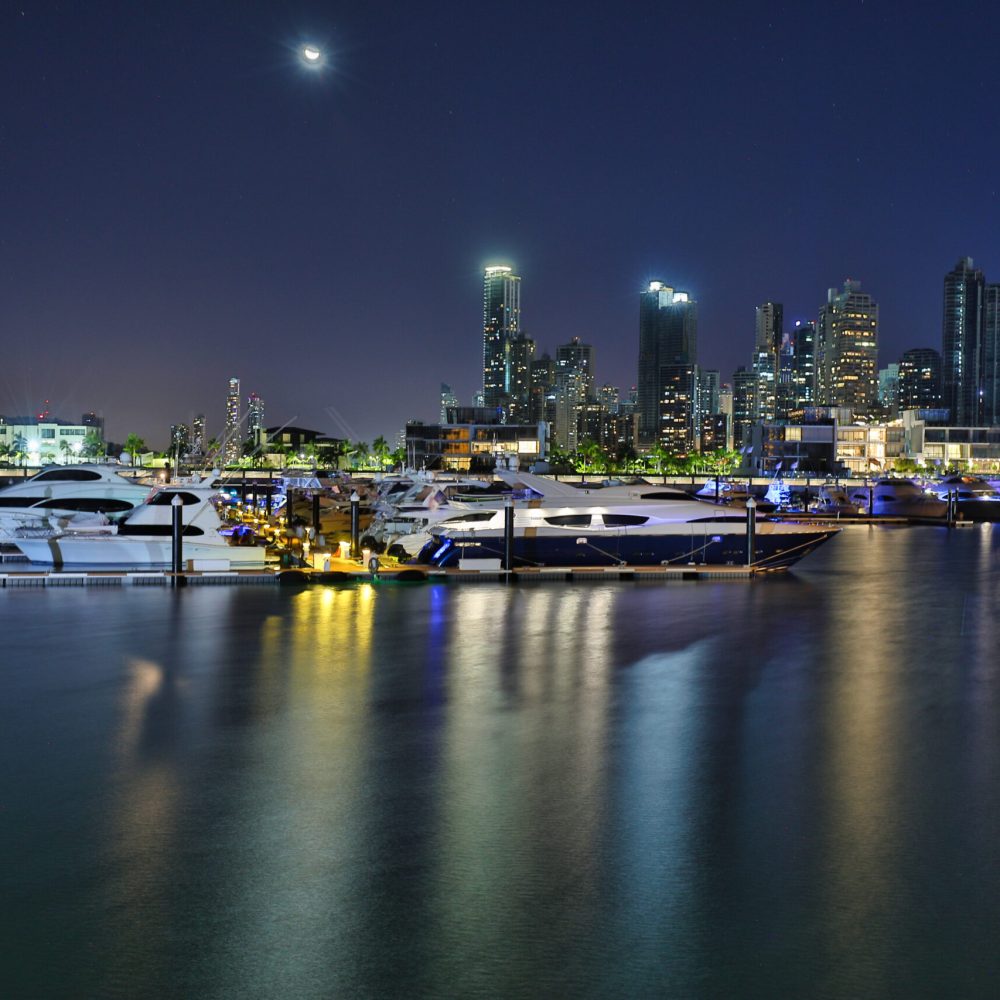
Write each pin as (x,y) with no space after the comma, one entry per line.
(788,787)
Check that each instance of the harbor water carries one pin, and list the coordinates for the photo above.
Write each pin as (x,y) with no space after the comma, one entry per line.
(788,787)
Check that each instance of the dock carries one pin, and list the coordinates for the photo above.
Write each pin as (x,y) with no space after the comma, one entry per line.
(346,571)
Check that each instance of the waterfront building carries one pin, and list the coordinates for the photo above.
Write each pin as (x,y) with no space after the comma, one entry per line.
(828,442)
(501,324)
(847,350)
(668,337)
(232,439)
(471,440)
(29,440)
(570,395)
(962,342)
(928,441)
(920,379)
(448,398)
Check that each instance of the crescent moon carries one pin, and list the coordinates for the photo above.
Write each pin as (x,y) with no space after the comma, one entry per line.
(311,54)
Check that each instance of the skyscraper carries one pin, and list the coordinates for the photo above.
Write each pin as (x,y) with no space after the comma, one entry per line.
(804,365)
(231,451)
(847,350)
(520,355)
(962,342)
(255,417)
(580,356)
(920,379)
(668,336)
(501,323)
(448,401)
(767,347)
(198,434)
(990,413)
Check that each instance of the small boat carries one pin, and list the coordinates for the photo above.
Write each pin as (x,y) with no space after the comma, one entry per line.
(833,501)
(144,539)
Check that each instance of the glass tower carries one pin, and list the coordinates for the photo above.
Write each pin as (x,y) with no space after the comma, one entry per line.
(501,324)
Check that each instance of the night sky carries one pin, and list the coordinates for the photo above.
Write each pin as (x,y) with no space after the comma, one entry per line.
(180,201)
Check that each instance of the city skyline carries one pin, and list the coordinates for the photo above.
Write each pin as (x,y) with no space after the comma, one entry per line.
(190,203)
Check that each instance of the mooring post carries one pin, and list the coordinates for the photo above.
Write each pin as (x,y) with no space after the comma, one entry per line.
(177,539)
(751,530)
(508,535)
(355,524)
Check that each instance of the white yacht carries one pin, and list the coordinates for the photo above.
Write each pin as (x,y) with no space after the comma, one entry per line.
(975,498)
(619,526)
(61,495)
(144,538)
(897,498)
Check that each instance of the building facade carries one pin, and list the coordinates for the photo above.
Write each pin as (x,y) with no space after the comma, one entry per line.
(501,324)
(668,337)
(962,341)
(232,439)
(847,350)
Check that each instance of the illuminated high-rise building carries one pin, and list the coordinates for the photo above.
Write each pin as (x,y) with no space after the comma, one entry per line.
(255,416)
(520,356)
(231,451)
(448,401)
(668,337)
(501,324)
(920,379)
(847,350)
(962,353)
(198,434)
(766,358)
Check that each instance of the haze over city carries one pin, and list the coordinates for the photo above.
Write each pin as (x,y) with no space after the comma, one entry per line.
(185,201)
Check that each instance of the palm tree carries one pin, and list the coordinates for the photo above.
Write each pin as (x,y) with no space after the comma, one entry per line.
(381,449)
(135,446)
(66,448)
(360,454)
(4,451)
(659,457)
(93,446)
(20,447)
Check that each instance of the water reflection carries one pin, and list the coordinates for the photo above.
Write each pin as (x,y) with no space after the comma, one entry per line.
(783,788)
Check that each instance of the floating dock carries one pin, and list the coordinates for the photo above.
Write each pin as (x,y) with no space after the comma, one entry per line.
(349,572)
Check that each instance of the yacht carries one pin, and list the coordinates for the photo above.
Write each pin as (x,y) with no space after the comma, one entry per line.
(897,498)
(60,495)
(833,501)
(976,499)
(645,526)
(144,538)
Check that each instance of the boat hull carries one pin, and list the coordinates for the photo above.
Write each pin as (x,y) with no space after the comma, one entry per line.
(134,552)
(777,546)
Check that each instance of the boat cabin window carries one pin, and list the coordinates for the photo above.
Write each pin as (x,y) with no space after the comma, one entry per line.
(20,501)
(569,520)
(665,495)
(91,505)
(165,498)
(470,518)
(67,476)
(622,520)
